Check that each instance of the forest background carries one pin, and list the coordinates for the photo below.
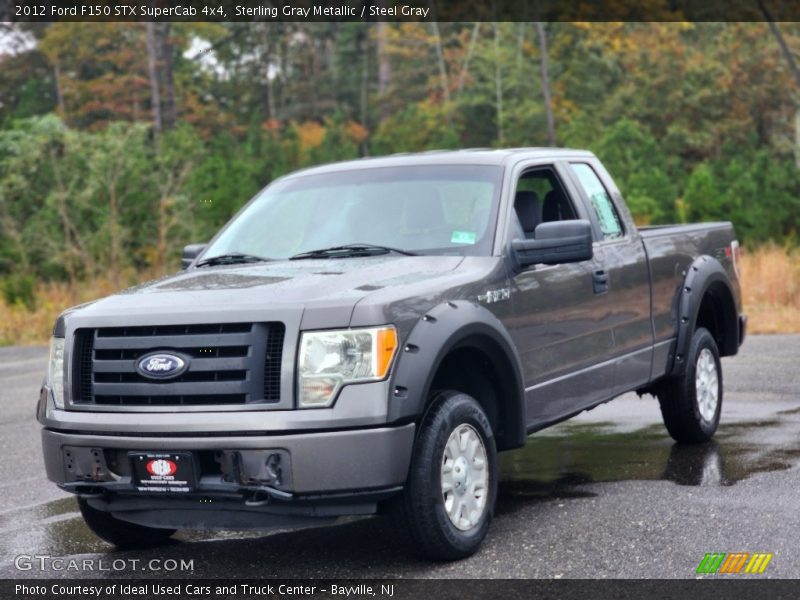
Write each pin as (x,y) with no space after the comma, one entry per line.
(121,142)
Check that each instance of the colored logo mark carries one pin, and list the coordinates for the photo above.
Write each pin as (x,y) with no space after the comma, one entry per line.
(734,563)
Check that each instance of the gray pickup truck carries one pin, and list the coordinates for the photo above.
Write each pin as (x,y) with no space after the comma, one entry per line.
(368,335)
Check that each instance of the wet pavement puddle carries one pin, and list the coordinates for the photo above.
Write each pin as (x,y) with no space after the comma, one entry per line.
(560,463)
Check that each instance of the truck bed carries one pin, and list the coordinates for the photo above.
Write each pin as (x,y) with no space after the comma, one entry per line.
(671,249)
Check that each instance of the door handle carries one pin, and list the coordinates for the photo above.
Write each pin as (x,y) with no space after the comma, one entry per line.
(600,281)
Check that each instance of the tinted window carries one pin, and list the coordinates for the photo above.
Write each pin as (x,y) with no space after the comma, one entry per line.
(604,208)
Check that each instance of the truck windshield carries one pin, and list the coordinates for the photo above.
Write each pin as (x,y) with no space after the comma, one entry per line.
(418,209)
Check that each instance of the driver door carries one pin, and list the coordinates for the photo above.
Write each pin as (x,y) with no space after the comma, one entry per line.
(558,319)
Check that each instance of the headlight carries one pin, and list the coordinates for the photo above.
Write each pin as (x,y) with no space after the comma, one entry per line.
(55,371)
(330,359)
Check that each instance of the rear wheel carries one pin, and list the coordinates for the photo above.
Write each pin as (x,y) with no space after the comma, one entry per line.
(121,533)
(449,497)
(691,403)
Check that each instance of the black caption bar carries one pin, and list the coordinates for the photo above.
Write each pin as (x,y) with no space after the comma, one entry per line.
(399,10)
(462,589)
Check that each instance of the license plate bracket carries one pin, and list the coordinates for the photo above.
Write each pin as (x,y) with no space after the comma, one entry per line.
(163,472)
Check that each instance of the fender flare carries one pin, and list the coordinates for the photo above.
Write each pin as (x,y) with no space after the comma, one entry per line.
(702,275)
(444,328)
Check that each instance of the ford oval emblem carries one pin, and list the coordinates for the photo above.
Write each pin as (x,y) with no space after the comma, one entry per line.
(161,365)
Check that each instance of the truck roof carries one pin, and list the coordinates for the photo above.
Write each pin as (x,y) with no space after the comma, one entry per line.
(470,156)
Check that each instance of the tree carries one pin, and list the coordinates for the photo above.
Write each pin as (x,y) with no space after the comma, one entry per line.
(545,71)
(102,74)
(165,130)
(152,72)
(641,170)
(177,155)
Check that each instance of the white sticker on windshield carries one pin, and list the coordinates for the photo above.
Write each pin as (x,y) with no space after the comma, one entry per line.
(463,237)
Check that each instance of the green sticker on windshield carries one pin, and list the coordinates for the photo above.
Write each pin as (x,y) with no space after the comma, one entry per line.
(463,237)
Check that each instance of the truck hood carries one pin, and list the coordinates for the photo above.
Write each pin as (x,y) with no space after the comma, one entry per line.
(328,288)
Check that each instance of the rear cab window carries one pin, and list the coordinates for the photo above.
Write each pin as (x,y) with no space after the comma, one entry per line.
(600,200)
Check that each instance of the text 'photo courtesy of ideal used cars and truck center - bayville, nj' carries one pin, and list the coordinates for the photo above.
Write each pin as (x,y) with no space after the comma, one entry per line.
(399,299)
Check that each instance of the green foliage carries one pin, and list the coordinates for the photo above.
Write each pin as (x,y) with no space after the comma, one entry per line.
(634,157)
(758,193)
(337,143)
(18,289)
(418,127)
(26,86)
(225,178)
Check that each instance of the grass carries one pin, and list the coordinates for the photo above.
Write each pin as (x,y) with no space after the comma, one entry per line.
(771,289)
(770,285)
(20,326)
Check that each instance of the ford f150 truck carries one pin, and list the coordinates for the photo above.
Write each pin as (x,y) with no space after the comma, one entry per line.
(370,334)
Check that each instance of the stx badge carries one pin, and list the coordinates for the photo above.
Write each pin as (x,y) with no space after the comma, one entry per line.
(491,296)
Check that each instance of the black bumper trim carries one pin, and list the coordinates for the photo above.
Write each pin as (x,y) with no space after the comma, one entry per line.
(251,494)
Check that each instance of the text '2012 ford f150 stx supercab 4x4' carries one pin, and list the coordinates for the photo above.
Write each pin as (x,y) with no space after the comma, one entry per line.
(370,334)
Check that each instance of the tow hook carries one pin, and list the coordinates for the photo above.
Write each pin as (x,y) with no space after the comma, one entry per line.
(258,499)
(88,492)
(266,495)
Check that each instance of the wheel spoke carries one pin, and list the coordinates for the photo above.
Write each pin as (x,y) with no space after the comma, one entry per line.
(455,509)
(447,477)
(463,440)
(477,490)
(452,446)
(473,448)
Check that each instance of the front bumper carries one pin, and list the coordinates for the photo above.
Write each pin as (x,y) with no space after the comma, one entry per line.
(327,473)
(322,462)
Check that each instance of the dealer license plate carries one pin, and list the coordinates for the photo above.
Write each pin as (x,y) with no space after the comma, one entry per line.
(163,472)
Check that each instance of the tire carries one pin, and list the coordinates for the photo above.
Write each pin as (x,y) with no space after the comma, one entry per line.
(691,403)
(121,533)
(445,451)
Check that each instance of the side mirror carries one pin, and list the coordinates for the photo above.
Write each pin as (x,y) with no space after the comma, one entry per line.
(191,252)
(555,243)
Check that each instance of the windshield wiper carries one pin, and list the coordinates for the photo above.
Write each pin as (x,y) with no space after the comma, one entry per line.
(350,250)
(232,258)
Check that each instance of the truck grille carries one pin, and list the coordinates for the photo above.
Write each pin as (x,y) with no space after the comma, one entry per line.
(229,364)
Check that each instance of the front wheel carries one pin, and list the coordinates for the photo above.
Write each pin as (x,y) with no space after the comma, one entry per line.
(449,497)
(691,403)
(121,533)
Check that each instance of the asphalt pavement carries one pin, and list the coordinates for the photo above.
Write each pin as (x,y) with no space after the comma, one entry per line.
(604,495)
